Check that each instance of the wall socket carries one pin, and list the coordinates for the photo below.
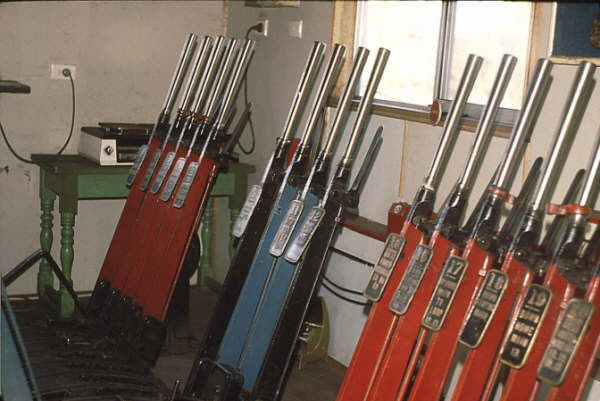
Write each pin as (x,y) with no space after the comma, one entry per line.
(295,29)
(265,24)
(56,71)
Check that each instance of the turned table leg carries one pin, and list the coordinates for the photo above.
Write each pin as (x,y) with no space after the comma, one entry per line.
(67,222)
(45,278)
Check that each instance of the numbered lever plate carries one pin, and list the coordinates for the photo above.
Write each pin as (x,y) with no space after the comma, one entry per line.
(135,167)
(186,184)
(162,173)
(482,311)
(394,245)
(419,262)
(524,328)
(172,181)
(300,242)
(150,171)
(451,276)
(247,210)
(284,232)
(567,336)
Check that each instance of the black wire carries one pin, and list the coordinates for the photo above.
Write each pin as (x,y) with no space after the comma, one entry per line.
(337,294)
(351,257)
(72,115)
(250,123)
(15,154)
(29,161)
(339,287)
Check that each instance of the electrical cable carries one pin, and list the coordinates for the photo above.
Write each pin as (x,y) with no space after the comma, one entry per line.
(339,287)
(67,73)
(337,294)
(15,154)
(62,149)
(248,151)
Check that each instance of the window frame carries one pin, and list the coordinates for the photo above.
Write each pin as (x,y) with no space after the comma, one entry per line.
(344,27)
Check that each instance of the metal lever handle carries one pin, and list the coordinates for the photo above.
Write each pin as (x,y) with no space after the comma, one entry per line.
(211,106)
(327,82)
(180,70)
(364,108)
(589,192)
(196,74)
(306,80)
(343,105)
(310,70)
(486,122)
(235,82)
(450,129)
(522,129)
(570,119)
(329,78)
(212,66)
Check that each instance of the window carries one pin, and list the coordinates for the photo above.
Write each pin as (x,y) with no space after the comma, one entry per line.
(430,42)
(399,26)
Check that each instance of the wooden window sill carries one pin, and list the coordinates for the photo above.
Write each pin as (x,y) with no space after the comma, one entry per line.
(422,115)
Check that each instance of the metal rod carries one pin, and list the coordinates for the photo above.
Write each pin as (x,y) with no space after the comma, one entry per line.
(444,50)
(522,129)
(565,134)
(361,176)
(589,193)
(486,122)
(237,77)
(210,108)
(364,108)
(212,66)
(174,390)
(28,262)
(306,80)
(452,121)
(177,80)
(346,99)
(327,82)
(196,74)
(310,70)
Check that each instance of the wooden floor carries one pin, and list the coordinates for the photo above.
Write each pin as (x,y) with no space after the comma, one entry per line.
(316,381)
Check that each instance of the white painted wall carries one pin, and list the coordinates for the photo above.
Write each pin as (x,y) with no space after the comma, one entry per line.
(125,53)
(405,155)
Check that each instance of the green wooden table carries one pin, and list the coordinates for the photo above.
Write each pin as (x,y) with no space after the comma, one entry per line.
(72,178)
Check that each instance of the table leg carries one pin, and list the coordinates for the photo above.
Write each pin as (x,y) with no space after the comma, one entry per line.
(47,197)
(205,269)
(67,221)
